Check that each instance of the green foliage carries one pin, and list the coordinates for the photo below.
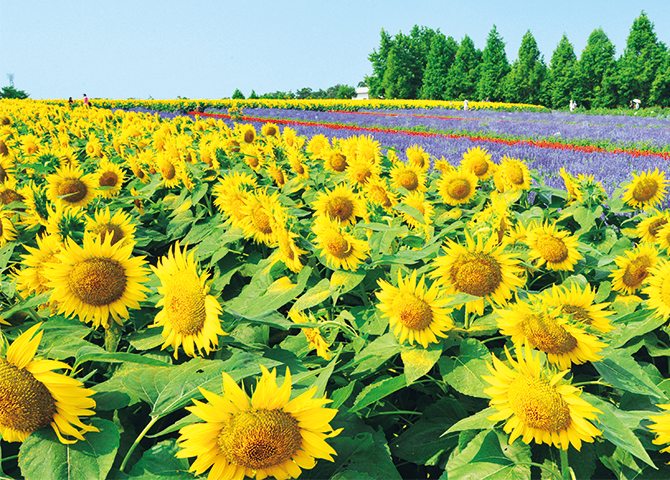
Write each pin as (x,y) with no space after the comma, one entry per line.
(440,58)
(562,74)
(525,83)
(11,92)
(493,69)
(379,61)
(238,95)
(464,72)
(596,72)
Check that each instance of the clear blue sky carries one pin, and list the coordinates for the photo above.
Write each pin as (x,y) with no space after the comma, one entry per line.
(206,49)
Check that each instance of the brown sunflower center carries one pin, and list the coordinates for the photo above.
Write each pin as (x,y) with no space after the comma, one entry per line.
(3,174)
(362,174)
(168,171)
(413,312)
(543,332)
(261,220)
(335,243)
(578,313)
(338,162)
(515,174)
(252,161)
(636,272)
(260,438)
(417,159)
(285,244)
(340,208)
(538,404)
(459,188)
(478,275)
(656,225)
(98,281)
(8,196)
(112,229)
(379,196)
(249,136)
(278,177)
(298,167)
(4,151)
(108,179)
(480,167)
(409,180)
(185,304)
(26,404)
(645,189)
(551,249)
(271,130)
(72,190)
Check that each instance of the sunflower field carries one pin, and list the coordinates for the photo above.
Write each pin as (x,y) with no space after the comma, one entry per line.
(353,291)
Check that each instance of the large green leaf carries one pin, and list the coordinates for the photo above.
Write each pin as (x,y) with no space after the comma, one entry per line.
(314,296)
(477,421)
(160,462)
(621,370)
(378,390)
(43,457)
(464,371)
(634,324)
(418,360)
(375,354)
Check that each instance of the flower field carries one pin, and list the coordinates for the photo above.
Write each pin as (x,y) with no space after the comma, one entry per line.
(332,290)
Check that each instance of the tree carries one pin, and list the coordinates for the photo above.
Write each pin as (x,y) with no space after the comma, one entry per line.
(562,74)
(403,75)
(596,72)
(253,95)
(345,92)
(238,95)
(440,58)
(463,74)
(640,61)
(305,92)
(11,92)
(494,68)
(526,80)
(660,89)
(379,59)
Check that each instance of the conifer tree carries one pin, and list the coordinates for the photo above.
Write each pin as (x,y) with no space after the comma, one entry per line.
(660,89)
(526,81)
(440,58)
(562,74)
(403,75)
(596,72)
(494,68)
(379,59)
(464,73)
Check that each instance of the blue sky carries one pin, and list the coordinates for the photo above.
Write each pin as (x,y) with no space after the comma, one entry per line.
(206,49)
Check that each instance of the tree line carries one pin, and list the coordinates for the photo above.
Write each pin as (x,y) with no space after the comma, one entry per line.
(426,64)
(338,91)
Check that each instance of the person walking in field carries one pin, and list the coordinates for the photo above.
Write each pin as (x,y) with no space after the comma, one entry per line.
(85,100)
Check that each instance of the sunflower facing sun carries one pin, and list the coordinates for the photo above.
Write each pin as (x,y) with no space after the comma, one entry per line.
(647,190)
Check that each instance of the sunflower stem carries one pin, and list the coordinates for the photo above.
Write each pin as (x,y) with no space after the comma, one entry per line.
(112,336)
(30,310)
(565,467)
(137,442)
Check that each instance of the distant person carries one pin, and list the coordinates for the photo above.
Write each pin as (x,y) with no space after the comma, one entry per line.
(630,104)
(85,100)
(70,102)
(465,104)
(573,105)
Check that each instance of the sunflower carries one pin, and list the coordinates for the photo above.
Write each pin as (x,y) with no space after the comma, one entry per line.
(30,144)
(414,311)
(367,148)
(171,170)
(553,247)
(97,281)
(270,130)
(276,173)
(94,148)
(109,178)
(7,169)
(647,190)
(376,192)
(317,146)
(313,335)
(408,176)
(658,288)
(648,228)
(574,191)
(70,187)
(31,279)
(362,170)
(335,161)
(37,205)
(287,251)
(416,155)
(117,226)
(247,132)
(536,403)
(633,268)
(7,229)
(339,204)
(457,187)
(254,156)
(65,222)
(514,174)
(478,268)
(418,201)
(190,316)
(661,427)
(258,212)
(9,193)
(550,330)
(265,435)
(297,160)
(231,194)
(478,161)
(340,248)
(580,304)
(33,396)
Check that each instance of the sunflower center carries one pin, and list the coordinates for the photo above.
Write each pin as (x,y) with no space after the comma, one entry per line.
(3,174)
(260,438)
(549,337)
(112,229)
(285,245)
(8,196)
(645,189)
(515,174)
(278,176)
(480,167)
(551,248)
(72,190)
(108,179)
(249,136)
(459,188)
(656,226)
(538,404)
(338,162)
(4,151)
(413,312)
(636,272)
(578,313)
(298,168)
(271,130)
(417,159)
(261,220)
(341,208)
(98,281)
(408,180)
(185,304)
(379,196)
(336,244)
(252,161)
(478,275)
(168,171)
(26,404)
(362,175)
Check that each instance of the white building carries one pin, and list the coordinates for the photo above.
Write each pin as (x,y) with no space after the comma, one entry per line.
(362,93)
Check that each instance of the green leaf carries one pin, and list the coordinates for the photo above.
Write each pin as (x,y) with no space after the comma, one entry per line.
(489,457)
(418,360)
(146,339)
(378,390)
(341,395)
(621,370)
(97,354)
(43,457)
(375,354)
(411,211)
(633,325)
(464,372)
(478,421)
(343,281)
(31,302)
(314,296)
(160,462)
(614,429)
